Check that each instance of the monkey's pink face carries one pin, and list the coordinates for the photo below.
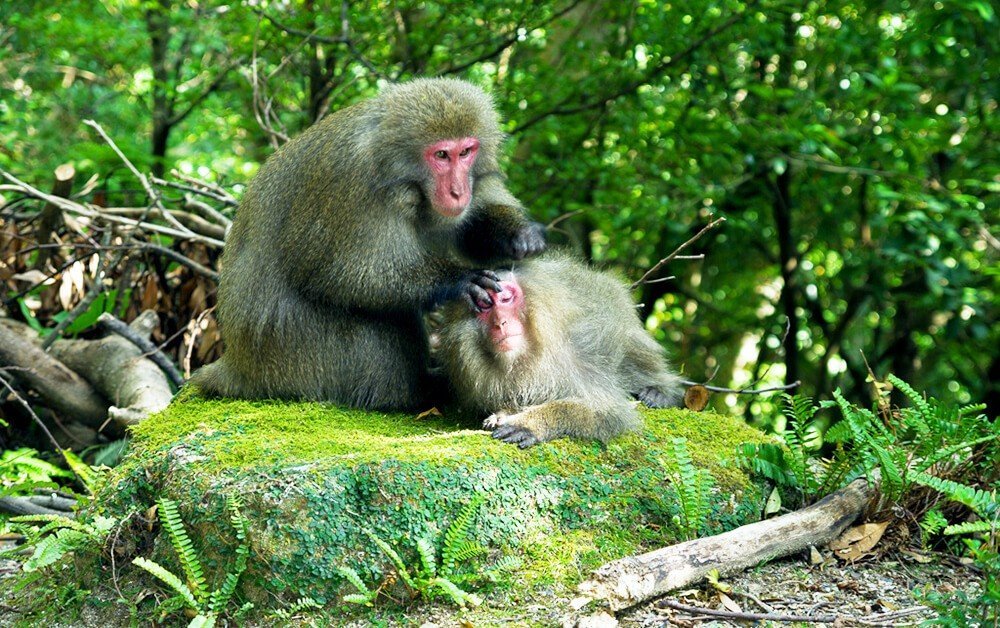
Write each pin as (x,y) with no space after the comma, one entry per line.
(450,162)
(504,319)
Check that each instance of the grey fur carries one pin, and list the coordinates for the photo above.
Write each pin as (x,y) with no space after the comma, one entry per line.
(588,355)
(335,250)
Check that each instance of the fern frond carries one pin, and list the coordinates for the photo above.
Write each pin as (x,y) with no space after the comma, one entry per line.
(971,527)
(52,548)
(428,559)
(221,596)
(976,499)
(458,532)
(918,401)
(932,523)
(169,579)
(401,569)
(469,550)
(171,519)
(457,595)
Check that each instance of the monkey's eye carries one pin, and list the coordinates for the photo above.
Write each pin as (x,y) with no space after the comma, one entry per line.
(505,297)
(441,154)
(465,151)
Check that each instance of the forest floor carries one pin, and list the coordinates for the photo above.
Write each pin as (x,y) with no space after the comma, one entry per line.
(883,592)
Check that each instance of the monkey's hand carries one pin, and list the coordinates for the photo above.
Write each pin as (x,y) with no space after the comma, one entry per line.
(527,241)
(512,428)
(475,289)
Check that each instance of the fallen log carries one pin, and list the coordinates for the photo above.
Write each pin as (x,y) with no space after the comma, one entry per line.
(634,579)
(135,385)
(61,388)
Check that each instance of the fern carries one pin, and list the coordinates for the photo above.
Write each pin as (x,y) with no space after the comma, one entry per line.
(457,534)
(932,524)
(301,604)
(193,591)
(691,486)
(170,517)
(173,582)
(61,536)
(432,578)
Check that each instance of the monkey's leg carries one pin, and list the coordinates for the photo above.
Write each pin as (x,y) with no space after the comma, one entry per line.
(576,418)
(648,376)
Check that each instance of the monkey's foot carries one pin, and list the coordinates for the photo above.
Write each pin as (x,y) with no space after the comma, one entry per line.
(506,427)
(656,398)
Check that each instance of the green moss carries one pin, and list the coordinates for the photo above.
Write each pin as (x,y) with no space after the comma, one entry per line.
(314,477)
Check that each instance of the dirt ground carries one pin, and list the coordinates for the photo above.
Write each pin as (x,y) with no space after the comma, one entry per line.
(883,592)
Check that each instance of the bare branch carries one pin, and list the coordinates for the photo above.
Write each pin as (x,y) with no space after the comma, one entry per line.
(666,260)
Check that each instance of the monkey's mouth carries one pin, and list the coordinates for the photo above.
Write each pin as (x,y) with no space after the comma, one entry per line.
(510,342)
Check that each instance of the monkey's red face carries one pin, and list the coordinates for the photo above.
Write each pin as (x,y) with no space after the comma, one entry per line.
(450,162)
(504,320)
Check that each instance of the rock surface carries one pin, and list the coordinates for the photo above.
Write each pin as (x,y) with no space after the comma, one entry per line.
(314,480)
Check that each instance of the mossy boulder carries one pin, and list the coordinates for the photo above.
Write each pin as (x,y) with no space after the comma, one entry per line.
(313,478)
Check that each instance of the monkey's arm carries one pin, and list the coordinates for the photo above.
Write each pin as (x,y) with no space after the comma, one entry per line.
(497,229)
(573,417)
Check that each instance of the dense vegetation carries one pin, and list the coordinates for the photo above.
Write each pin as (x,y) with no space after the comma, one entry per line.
(850,146)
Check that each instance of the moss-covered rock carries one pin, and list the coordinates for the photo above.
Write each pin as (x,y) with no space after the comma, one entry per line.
(313,478)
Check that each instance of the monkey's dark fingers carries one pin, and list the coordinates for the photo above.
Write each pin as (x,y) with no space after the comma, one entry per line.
(487,279)
(653,397)
(515,435)
(529,241)
(477,297)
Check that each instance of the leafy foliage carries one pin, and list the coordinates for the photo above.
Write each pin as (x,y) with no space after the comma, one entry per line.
(192,592)
(692,488)
(59,536)
(430,578)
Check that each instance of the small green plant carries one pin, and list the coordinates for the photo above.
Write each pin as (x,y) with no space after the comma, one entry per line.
(431,578)
(59,536)
(192,592)
(692,487)
(301,604)
(798,466)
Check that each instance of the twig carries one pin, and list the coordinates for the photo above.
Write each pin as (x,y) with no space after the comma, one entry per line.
(154,196)
(92,212)
(180,259)
(666,260)
(743,391)
(112,324)
(883,619)
(825,619)
(566,216)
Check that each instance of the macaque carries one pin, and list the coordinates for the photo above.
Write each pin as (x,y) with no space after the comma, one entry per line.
(349,232)
(559,351)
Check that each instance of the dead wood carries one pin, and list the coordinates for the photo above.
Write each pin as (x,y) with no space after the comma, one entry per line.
(25,506)
(60,387)
(50,218)
(135,386)
(629,581)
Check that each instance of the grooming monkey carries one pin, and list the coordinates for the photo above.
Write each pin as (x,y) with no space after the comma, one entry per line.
(560,351)
(349,232)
